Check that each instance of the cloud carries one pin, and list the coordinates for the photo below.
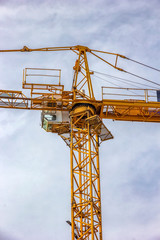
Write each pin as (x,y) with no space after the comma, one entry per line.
(6,237)
(34,165)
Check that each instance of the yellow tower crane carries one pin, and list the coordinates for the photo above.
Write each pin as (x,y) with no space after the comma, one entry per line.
(76,116)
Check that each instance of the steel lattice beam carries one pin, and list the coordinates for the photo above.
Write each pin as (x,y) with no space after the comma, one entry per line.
(85,183)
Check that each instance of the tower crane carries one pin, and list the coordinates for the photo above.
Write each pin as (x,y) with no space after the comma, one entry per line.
(76,116)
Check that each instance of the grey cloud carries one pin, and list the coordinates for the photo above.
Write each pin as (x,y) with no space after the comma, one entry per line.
(154,238)
(34,165)
(6,237)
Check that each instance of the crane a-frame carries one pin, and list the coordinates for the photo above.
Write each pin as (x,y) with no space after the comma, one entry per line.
(76,116)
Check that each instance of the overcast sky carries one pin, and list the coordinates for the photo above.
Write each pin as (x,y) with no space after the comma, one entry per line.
(35,165)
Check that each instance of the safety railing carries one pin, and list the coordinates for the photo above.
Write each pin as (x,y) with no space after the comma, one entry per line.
(116,93)
(42,79)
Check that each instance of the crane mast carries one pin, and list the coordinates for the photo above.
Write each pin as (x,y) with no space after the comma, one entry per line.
(85,180)
(85,127)
(76,116)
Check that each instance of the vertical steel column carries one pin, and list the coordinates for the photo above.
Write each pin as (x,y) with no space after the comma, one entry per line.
(99,187)
(82,78)
(72,185)
(85,182)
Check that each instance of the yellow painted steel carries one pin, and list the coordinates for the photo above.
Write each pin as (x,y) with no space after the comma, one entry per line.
(83,132)
(85,180)
(81,71)
(124,110)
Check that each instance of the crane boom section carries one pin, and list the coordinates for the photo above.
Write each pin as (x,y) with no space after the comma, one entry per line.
(122,110)
(38,101)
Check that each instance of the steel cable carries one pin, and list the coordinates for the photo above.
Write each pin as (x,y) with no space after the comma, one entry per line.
(142,78)
(123,79)
(145,65)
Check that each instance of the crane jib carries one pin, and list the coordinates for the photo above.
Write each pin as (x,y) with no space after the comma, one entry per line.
(76,116)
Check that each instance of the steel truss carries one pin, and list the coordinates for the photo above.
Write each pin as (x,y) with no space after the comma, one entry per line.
(85,181)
